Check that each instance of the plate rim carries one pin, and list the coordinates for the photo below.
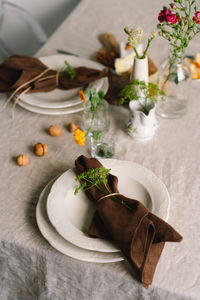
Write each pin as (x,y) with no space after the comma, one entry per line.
(60,111)
(60,244)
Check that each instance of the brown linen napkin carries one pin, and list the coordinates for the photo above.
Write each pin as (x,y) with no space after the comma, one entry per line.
(19,69)
(138,233)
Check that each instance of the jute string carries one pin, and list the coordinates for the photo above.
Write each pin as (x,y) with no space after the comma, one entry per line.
(33,80)
(107,196)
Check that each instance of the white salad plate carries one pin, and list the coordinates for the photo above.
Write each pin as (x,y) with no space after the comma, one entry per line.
(60,111)
(62,98)
(72,214)
(65,247)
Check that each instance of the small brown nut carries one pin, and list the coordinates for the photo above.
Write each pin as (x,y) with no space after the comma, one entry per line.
(55,130)
(40,149)
(72,127)
(22,160)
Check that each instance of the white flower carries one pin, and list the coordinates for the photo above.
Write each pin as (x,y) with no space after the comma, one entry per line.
(135,36)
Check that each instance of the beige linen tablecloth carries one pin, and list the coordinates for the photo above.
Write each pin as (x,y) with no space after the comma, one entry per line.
(29,267)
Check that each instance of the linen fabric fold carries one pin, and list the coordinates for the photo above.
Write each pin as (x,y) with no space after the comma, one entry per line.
(139,234)
(17,70)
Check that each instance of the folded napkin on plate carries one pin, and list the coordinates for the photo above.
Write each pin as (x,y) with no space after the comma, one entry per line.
(17,70)
(138,233)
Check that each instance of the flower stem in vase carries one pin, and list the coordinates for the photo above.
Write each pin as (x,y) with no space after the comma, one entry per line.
(179,23)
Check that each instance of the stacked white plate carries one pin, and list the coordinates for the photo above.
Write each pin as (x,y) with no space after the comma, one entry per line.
(64,218)
(59,102)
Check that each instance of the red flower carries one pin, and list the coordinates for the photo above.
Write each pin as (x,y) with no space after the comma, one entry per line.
(172,18)
(163,13)
(196,18)
(197,14)
(166,15)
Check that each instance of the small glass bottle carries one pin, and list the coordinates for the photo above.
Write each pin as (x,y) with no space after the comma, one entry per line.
(174,78)
(94,122)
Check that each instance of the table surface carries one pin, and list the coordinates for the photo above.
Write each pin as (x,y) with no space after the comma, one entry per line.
(30,267)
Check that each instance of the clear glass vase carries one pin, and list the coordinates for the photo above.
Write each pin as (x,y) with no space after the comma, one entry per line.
(93,123)
(104,146)
(174,78)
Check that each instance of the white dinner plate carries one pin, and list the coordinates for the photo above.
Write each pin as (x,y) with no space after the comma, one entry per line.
(62,98)
(71,215)
(51,111)
(60,111)
(61,244)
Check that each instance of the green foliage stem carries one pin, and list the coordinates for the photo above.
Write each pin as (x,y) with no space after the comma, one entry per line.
(181,33)
(95,99)
(69,71)
(133,91)
(97,177)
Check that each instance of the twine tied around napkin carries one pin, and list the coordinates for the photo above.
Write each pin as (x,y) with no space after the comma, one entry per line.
(33,80)
(21,74)
(107,196)
(138,233)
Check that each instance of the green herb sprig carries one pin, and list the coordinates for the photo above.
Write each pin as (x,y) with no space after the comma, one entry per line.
(69,71)
(95,99)
(133,91)
(93,177)
(97,177)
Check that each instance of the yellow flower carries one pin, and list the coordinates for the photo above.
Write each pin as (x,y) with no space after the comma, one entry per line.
(79,137)
(82,96)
